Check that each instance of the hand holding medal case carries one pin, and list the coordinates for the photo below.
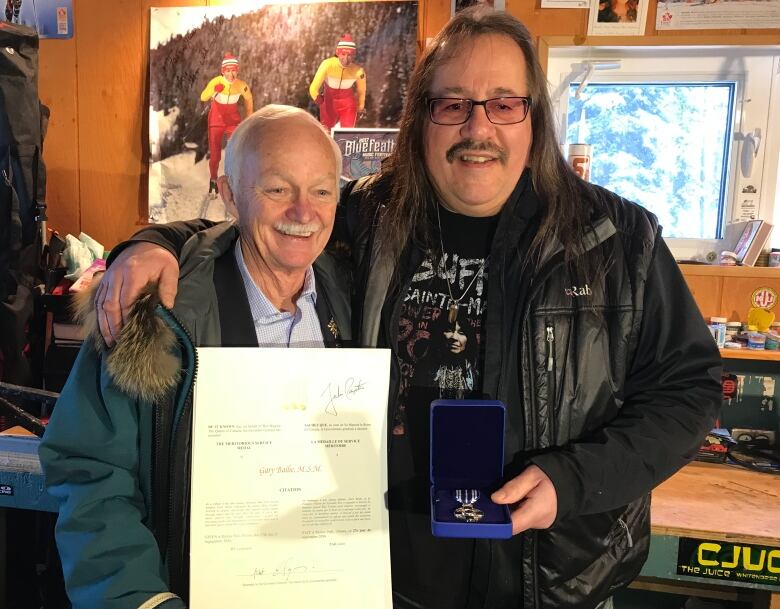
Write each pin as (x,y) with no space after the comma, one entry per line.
(467,463)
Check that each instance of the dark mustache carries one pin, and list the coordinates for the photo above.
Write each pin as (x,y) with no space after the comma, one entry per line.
(470,145)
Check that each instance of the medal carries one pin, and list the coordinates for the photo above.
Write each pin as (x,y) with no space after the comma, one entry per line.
(466,510)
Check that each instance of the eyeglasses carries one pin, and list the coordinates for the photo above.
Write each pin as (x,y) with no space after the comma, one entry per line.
(499,110)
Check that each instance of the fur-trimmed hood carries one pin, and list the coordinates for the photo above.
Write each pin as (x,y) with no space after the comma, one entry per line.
(143,363)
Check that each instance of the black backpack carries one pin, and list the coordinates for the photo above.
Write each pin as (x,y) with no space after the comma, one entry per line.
(23,121)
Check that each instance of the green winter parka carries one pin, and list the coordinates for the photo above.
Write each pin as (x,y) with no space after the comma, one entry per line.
(116,452)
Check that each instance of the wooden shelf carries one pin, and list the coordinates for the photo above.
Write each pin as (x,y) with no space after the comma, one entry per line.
(726,291)
(713,270)
(765,355)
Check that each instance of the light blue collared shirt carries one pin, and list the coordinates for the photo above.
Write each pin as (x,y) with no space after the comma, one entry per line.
(275,328)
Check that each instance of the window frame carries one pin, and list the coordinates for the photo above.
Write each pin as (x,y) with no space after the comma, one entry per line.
(753,69)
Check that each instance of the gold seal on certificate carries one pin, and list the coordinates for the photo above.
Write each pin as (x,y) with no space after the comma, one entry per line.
(288,479)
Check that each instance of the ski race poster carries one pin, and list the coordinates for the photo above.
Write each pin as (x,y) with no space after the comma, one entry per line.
(347,63)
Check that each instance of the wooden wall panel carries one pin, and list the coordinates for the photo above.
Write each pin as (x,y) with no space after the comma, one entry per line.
(433,15)
(97,87)
(61,147)
(737,293)
(549,21)
(110,115)
(708,292)
(726,291)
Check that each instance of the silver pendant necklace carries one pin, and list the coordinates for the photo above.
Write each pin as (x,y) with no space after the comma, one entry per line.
(452,310)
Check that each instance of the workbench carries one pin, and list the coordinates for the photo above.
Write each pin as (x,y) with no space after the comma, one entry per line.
(708,511)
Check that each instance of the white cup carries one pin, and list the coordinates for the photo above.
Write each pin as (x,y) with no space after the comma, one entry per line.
(579,158)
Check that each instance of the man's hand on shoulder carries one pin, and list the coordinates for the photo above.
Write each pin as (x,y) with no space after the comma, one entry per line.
(137,266)
(533,500)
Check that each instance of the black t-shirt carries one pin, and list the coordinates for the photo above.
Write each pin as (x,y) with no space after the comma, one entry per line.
(439,357)
(440,352)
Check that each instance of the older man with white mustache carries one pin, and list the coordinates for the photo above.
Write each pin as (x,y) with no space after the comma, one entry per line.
(116,452)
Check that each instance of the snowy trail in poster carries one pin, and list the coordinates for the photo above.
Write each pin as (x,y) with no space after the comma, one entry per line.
(182,187)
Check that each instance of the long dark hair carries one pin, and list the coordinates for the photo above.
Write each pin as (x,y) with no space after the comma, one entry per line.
(568,201)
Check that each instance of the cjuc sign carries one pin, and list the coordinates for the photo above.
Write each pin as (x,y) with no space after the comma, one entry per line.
(729,561)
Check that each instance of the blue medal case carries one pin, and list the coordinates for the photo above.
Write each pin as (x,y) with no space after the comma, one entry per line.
(467,452)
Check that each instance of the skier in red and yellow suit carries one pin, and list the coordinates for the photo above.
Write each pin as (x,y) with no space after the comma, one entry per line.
(343,86)
(224,91)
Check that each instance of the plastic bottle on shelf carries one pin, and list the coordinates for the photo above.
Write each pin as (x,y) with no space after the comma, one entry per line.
(756,341)
(732,329)
(718,329)
(772,341)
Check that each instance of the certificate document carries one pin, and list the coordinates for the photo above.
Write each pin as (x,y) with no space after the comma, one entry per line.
(289,475)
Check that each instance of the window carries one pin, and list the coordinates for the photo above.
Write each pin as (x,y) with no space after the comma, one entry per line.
(662,145)
(690,134)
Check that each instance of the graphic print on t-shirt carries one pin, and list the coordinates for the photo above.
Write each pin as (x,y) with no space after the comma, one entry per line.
(440,358)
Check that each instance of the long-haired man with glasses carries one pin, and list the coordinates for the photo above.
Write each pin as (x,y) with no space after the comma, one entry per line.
(585,327)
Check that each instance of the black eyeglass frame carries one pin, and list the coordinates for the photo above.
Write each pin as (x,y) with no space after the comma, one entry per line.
(473,103)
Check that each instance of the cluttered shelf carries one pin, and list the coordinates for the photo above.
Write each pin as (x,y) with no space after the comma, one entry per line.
(754,354)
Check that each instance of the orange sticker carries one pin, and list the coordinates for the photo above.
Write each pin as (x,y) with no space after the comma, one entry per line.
(764,298)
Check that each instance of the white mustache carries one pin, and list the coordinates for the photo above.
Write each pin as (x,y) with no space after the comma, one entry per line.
(297,230)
